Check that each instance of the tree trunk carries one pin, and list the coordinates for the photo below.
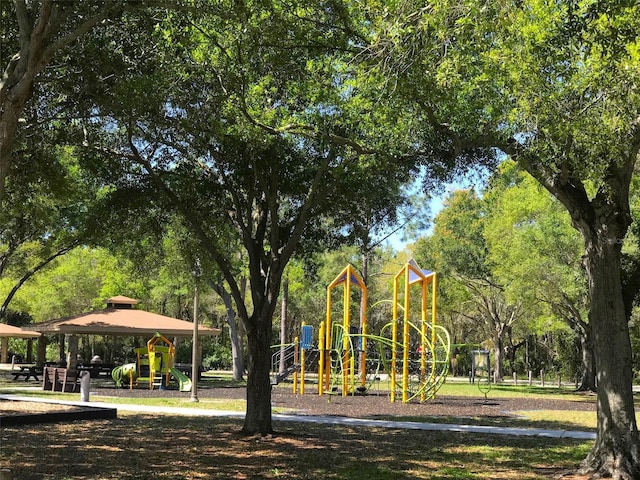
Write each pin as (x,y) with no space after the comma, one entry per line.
(72,352)
(41,352)
(61,347)
(588,381)
(498,349)
(283,324)
(617,448)
(258,414)
(4,354)
(237,355)
(8,127)
(30,350)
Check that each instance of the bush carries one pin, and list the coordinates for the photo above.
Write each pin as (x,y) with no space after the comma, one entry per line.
(220,359)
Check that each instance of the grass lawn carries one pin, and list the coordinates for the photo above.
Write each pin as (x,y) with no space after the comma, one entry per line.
(182,447)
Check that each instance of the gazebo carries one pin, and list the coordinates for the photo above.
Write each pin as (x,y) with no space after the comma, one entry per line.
(119,318)
(9,331)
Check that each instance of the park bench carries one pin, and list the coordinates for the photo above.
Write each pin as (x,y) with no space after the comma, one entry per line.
(60,379)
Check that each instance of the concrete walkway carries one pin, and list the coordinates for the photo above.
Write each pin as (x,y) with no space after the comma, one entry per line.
(331,420)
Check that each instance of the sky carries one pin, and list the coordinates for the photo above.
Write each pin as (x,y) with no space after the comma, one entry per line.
(474,180)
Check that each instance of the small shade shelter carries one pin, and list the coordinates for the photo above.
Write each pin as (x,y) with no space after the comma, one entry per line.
(119,318)
(9,331)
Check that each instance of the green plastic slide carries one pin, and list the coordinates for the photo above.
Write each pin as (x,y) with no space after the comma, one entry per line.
(121,374)
(184,382)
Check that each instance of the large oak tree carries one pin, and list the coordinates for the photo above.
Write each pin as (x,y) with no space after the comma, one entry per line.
(247,118)
(555,86)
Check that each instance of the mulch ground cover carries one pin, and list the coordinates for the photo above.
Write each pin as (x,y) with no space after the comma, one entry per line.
(176,447)
(375,404)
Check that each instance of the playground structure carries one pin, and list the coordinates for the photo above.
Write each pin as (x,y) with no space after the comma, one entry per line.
(412,353)
(154,366)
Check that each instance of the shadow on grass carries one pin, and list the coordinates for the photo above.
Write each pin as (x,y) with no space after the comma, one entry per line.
(181,448)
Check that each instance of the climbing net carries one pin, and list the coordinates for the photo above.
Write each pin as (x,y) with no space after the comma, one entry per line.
(415,369)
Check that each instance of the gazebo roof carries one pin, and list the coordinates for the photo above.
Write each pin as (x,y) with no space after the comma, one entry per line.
(121,321)
(122,300)
(16,332)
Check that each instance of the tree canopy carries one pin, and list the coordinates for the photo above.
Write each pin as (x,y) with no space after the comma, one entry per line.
(553,85)
(289,125)
(250,127)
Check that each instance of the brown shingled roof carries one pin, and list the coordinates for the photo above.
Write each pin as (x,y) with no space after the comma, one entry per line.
(16,332)
(121,321)
(123,300)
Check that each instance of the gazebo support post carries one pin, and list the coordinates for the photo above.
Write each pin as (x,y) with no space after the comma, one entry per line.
(194,349)
(4,355)
(41,353)
(72,353)
(29,350)
(61,349)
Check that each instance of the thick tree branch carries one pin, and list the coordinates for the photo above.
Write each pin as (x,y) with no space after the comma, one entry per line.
(306,130)
(195,223)
(32,272)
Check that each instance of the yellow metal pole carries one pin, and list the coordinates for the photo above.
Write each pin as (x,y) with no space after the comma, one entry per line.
(321,341)
(345,333)
(433,308)
(405,338)
(423,343)
(363,342)
(296,356)
(328,328)
(151,353)
(302,367)
(394,339)
(433,320)
(352,370)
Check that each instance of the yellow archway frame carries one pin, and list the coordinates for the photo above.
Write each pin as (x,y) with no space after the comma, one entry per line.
(349,278)
(412,275)
(163,362)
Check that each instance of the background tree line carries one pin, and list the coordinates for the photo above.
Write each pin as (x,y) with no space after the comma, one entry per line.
(274,131)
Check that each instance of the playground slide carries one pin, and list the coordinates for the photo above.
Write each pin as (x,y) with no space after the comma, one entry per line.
(184,382)
(121,374)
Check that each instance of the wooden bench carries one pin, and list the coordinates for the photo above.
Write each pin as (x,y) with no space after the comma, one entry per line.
(60,379)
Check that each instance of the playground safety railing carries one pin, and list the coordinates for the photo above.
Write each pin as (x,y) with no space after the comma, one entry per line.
(288,351)
(284,362)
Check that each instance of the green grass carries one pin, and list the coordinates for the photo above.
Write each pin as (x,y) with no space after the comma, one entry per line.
(209,380)
(545,419)
(569,419)
(509,391)
(203,403)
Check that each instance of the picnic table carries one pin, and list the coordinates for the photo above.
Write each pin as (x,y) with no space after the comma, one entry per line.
(96,369)
(27,371)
